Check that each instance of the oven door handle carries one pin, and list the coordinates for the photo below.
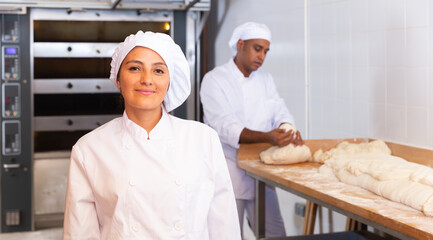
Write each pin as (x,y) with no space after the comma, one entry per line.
(13,165)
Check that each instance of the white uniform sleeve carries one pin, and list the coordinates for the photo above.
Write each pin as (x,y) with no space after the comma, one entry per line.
(218,112)
(281,114)
(81,221)
(223,222)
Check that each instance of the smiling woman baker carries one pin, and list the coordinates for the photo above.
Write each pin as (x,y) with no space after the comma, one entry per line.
(150,175)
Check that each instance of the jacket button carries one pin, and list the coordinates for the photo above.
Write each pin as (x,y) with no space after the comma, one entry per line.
(178,226)
(178,182)
(135,227)
(132,182)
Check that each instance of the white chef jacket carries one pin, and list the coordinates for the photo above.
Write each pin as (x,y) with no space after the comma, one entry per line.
(174,185)
(232,102)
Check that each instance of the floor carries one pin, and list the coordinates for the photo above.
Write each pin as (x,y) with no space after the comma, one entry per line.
(46,234)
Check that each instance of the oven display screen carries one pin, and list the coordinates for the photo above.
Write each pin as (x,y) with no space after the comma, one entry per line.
(11,51)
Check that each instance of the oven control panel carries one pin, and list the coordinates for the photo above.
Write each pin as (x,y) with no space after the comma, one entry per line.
(11,95)
(11,138)
(11,62)
(15,124)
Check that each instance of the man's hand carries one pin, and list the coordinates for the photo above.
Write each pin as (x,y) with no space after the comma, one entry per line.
(277,137)
(282,138)
(298,139)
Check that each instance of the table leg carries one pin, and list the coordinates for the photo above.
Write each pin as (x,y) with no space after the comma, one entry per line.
(309,218)
(353,225)
(350,224)
(259,210)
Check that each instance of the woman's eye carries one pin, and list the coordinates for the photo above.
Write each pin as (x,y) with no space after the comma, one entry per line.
(133,68)
(160,71)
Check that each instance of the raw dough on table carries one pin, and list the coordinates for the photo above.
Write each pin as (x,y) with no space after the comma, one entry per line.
(376,146)
(288,154)
(386,175)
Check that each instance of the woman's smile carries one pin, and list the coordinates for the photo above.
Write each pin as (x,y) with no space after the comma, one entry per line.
(145,91)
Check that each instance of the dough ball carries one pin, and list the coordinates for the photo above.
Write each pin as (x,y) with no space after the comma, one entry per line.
(288,127)
(288,154)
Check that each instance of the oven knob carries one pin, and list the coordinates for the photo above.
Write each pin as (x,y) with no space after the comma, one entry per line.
(69,85)
(70,122)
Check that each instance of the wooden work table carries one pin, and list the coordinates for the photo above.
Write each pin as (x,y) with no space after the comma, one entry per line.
(354,202)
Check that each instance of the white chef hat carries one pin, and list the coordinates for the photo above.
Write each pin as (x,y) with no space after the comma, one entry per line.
(249,30)
(170,52)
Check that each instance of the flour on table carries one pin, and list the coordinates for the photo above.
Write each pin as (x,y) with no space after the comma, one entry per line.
(386,175)
(288,154)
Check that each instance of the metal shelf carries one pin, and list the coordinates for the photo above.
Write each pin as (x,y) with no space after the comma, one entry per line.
(71,123)
(149,5)
(64,49)
(82,85)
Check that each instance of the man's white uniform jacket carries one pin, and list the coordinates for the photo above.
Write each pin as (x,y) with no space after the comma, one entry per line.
(231,103)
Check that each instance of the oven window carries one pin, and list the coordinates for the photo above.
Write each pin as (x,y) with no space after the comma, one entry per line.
(92,31)
(71,68)
(77,104)
(56,141)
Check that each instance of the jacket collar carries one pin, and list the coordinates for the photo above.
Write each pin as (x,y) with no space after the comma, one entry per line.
(162,130)
(236,72)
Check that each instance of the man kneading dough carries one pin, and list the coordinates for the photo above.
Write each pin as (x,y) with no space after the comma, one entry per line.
(288,154)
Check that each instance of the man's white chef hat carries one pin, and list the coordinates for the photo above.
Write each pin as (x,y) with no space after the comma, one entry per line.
(249,30)
(170,52)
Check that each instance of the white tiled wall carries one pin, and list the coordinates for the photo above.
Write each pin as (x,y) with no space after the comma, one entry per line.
(377,56)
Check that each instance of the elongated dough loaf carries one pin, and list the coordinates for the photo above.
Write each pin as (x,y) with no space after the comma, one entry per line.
(288,154)
(386,175)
